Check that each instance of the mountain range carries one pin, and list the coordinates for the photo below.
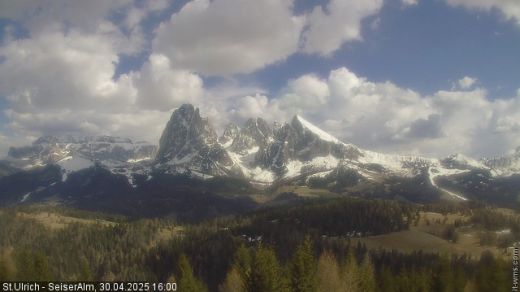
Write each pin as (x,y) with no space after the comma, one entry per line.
(254,157)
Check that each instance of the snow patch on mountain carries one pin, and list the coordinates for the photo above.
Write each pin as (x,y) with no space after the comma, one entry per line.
(434,172)
(319,132)
(295,167)
(246,164)
(25,197)
(73,163)
(505,165)
(398,164)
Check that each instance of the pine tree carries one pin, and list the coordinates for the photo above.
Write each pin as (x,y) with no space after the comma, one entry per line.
(366,278)
(266,274)
(303,268)
(351,273)
(85,274)
(388,282)
(459,279)
(242,263)
(443,280)
(5,274)
(25,266)
(187,281)
(470,286)
(328,274)
(410,280)
(238,277)
(233,282)
(41,267)
(484,275)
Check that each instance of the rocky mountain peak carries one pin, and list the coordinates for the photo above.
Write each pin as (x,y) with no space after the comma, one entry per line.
(257,128)
(185,134)
(67,150)
(307,129)
(460,161)
(254,133)
(190,142)
(301,141)
(230,133)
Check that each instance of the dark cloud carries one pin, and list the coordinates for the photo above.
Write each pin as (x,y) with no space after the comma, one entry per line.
(429,128)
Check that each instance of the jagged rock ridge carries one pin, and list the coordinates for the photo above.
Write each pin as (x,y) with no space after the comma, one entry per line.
(256,151)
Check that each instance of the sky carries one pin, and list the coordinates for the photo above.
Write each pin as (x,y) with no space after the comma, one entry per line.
(420,77)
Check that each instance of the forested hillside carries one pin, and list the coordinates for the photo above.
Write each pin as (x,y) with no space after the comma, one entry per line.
(314,246)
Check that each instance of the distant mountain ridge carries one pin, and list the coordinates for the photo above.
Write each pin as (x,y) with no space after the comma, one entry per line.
(295,152)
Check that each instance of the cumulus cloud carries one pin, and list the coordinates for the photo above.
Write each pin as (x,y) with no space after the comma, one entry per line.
(306,91)
(340,21)
(510,9)
(385,117)
(60,78)
(57,70)
(62,83)
(162,87)
(466,82)
(225,37)
(87,17)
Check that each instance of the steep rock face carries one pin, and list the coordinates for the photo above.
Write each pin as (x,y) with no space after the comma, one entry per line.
(190,142)
(301,141)
(312,142)
(275,155)
(230,133)
(185,134)
(254,133)
(290,152)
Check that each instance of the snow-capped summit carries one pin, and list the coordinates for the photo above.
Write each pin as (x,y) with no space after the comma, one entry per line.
(262,154)
(504,165)
(52,149)
(459,161)
(72,154)
(299,122)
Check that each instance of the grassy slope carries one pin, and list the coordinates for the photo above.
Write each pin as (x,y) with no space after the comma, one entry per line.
(424,237)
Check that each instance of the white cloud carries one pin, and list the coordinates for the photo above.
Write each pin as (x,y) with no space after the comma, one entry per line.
(60,79)
(136,15)
(409,2)
(225,37)
(161,87)
(466,82)
(251,106)
(306,91)
(39,15)
(510,9)
(337,23)
(388,118)
(86,17)
(54,71)
(57,83)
